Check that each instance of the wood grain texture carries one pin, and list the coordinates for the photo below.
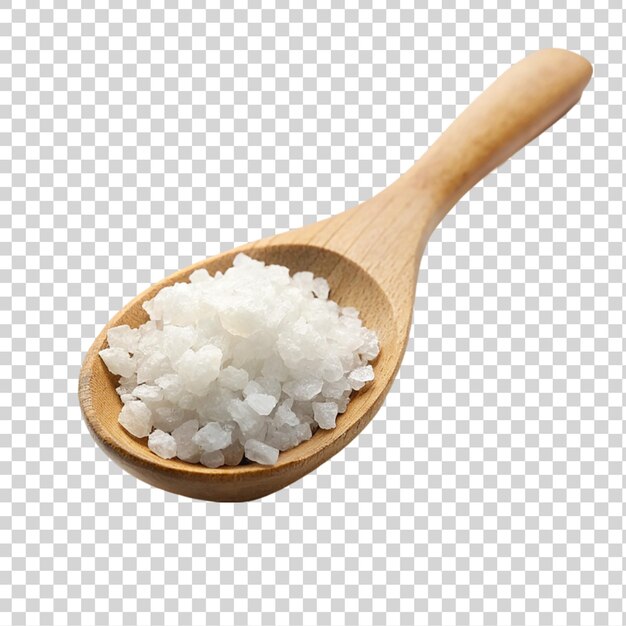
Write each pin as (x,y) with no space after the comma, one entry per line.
(370,255)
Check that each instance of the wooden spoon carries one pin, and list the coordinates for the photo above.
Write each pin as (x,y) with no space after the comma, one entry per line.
(370,256)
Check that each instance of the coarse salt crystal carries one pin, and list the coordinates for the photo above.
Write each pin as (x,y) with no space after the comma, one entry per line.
(260,452)
(233,378)
(148,393)
(118,361)
(360,376)
(188,450)
(303,389)
(136,418)
(212,437)
(162,444)
(233,454)
(261,403)
(212,459)
(197,370)
(325,414)
(123,337)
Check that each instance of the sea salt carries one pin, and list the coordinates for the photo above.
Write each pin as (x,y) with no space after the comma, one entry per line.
(261,403)
(212,459)
(119,361)
(233,454)
(136,418)
(212,437)
(360,376)
(162,444)
(260,452)
(325,414)
(187,449)
(247,362)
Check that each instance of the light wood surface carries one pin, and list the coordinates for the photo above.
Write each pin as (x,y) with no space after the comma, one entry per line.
(370,255)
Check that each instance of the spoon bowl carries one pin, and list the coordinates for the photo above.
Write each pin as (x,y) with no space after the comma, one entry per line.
(352,286)
(370,256)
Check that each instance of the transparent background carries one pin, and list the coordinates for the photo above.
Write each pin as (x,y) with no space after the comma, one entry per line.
(490,488)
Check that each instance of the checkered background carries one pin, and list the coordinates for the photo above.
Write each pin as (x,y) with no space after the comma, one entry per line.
(490,488)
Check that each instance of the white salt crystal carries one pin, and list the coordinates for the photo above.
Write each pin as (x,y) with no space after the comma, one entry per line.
(215,408)
(169,418)
(212,437)
(325,414)
(123,337)
(369,347)
(348,338)
(286,438)
(149,341)
(148,393)
(187,450)
(350,361)
(349,311)
(249,421)
(212,459)
(171,386)
(335,390)
(222,342)
(278,274)
(332,370)
(152,366)
(199,276)
(285,416)
(250,360)
(352,323)
(252,387)
(243,260)
(239,410)
(279,440)
(187,401)
(303,432)
(303,389)
(233,378)
(271,386)
(118,361)
(321,288)
(275,368)
(360,376)
(303,280)
(176,340)
(128,382)
(136,418)
(197,370)
(186,431)
(162,444)
(261,403)
(207,323)
(260,452)
(289,350)
(240,321)
(303,411)
(342,404)
(148,328)
(233,454)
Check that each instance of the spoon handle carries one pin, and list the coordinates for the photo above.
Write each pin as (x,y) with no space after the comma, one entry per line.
(523,102)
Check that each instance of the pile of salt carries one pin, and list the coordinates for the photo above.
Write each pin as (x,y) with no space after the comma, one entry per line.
(251,361)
